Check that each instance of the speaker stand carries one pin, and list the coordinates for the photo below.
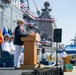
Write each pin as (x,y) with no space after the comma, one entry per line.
(56,54)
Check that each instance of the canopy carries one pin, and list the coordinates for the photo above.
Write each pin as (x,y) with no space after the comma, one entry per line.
(70,49)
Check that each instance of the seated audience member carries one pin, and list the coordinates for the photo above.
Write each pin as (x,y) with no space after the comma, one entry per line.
(8,60)
(11,45)
(5,45)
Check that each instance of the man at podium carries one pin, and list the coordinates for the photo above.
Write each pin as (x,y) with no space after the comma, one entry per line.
(62,55)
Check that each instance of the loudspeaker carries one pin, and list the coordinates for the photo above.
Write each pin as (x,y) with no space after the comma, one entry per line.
(43,50)
(57,35)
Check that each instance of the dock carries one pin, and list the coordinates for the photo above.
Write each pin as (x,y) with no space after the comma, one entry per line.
(12,71)
(71,73)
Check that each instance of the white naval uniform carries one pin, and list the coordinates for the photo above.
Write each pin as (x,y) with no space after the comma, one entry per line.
(12,47)
(62,54)
(5,46)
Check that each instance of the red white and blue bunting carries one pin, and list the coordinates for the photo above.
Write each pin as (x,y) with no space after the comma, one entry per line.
(29,24)
(45,19)
(36,18)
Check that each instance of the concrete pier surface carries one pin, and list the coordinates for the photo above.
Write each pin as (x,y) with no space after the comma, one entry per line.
(12,71)
(71,73)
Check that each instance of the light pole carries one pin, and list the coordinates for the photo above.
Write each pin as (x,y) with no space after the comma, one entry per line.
(56,54)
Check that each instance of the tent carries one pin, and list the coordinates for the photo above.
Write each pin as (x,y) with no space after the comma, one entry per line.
(70,49)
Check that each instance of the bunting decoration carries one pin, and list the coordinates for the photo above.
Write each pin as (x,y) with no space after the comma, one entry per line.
(38,19)
(45,42)
(29,24)
(28,12)
(45,19)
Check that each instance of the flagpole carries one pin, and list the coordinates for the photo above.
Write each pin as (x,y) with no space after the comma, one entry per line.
(56,54)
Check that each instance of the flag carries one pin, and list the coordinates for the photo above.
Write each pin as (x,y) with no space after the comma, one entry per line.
(5,32)
(1,37)
(9,32)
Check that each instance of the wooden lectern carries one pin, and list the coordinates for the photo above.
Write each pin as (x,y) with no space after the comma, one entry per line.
(67,63)
(67,59)
(30,50)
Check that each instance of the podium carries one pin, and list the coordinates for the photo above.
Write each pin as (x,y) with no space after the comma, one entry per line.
(67,66)
(30,51)
(67,59)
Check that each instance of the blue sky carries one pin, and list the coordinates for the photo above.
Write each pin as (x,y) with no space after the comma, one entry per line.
(64,12)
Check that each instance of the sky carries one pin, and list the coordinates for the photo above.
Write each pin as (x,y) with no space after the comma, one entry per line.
(64,12)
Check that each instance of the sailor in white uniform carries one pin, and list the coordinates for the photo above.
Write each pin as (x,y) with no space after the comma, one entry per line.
(62,54)
(12,46)
(5,45)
